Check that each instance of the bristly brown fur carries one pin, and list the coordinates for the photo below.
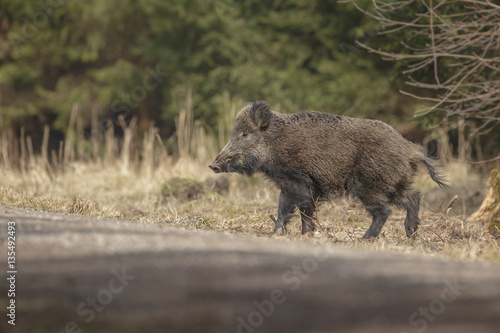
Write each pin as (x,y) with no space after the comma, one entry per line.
(313,156)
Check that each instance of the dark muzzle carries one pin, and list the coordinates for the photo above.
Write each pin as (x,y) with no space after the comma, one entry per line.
(215,168)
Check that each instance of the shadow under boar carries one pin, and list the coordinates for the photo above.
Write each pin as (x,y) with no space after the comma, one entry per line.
(313,156)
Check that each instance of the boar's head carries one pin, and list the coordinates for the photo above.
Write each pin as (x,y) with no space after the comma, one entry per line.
(248,148)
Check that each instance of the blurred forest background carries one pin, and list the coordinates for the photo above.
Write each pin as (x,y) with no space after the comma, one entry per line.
(77,70)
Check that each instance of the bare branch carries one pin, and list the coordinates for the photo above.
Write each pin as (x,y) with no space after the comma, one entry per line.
(463,48)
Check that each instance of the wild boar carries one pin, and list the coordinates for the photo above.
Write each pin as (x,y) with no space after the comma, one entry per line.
(313,156)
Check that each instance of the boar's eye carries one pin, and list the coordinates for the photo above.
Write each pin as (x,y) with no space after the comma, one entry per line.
(245,134)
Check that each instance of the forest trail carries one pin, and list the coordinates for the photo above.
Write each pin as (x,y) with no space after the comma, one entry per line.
(86,274)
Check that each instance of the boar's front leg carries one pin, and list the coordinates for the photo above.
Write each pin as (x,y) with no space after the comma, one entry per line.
(286,209)
(288,202)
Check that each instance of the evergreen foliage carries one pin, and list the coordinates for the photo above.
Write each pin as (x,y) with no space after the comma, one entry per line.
(101,54)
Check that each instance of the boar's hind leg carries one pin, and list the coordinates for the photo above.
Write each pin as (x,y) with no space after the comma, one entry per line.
(306,215)
(411,202)
(380,214)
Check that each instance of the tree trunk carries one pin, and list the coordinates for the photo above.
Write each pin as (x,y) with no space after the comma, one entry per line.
(489,212)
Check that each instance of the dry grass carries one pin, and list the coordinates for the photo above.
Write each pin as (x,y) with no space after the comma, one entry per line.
(137,179)
(241,206)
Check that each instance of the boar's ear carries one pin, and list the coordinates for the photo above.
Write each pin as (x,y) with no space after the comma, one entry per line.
(261,114)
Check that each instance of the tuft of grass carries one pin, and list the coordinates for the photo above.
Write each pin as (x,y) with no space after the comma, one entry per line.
(76,205)
(182,188)
(494,228)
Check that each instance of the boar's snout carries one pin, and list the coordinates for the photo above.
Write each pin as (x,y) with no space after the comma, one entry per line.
(218,164)
(215,168)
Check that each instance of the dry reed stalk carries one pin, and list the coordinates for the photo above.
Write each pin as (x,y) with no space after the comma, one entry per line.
(128,133)
(13,146)
(45,147)
(147,163)
(164,153)
(94,133)
(226,122)
(199,142)
(479,154)
(22,160)
(69,152)
(180,131)
(184,126)
(60,154)
(461,139)
(31,155)
(5,149)
(55,161)
(109,143)
(79,135)
(192,139)
(444,151)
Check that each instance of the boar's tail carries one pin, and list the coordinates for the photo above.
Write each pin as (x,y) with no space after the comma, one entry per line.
(435,176)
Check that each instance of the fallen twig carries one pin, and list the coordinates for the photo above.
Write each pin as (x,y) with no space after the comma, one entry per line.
(448,206)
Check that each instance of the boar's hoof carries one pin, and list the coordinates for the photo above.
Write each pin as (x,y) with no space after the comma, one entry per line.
(370,236)
(308,233)
(278,229)
(410,230)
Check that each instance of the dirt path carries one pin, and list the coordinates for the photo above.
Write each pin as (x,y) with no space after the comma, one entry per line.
(84,274)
